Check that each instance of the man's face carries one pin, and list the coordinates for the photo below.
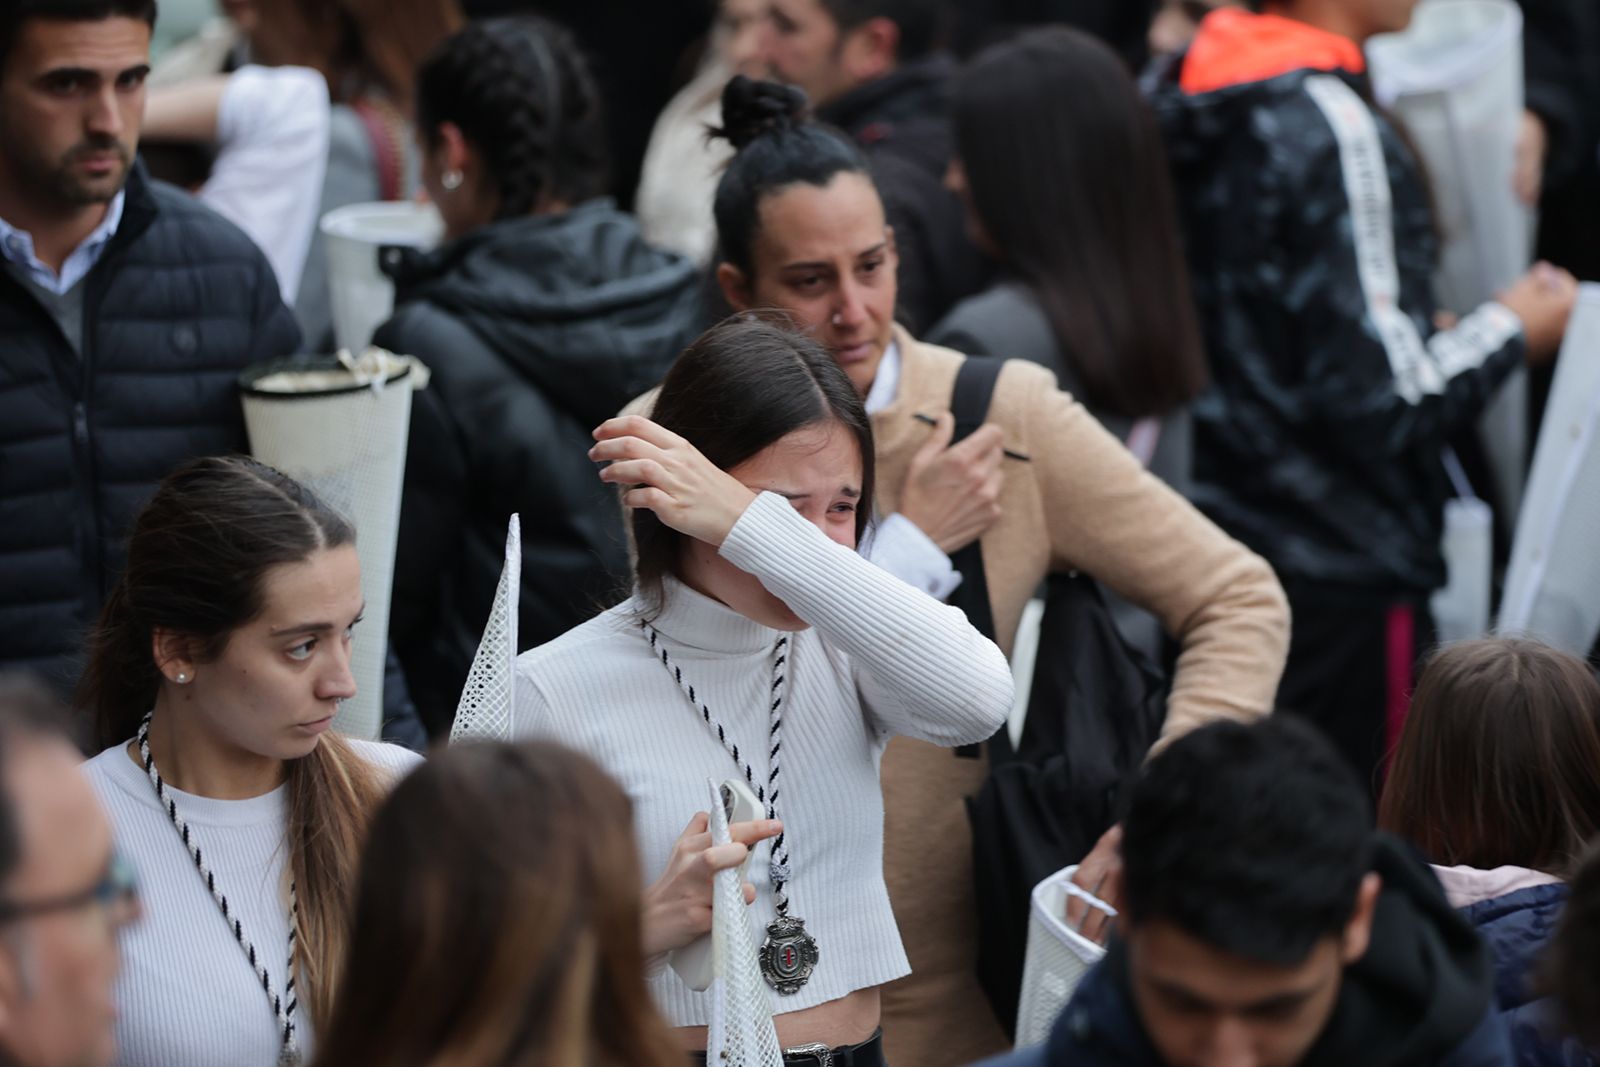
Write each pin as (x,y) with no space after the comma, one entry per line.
(806,47)
(1203,1007)
(71,101)
(57,967)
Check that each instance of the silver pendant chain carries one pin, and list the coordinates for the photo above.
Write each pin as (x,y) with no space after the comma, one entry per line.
(766,793)
(283,1007)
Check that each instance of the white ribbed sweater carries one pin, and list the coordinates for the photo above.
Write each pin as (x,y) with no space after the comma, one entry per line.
(186,995)
(880,659)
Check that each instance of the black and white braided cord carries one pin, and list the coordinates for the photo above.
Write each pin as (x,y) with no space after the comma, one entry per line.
(282,1006)
(766,793)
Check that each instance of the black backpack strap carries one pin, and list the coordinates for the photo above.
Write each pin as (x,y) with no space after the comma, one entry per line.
(969,403)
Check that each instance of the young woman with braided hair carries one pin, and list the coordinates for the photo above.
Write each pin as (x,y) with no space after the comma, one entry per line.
(759,645)
(543,313)
(214,674)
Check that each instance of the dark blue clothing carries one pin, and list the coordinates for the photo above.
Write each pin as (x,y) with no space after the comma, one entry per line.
(1420,997)
(1515,928)
(180,302)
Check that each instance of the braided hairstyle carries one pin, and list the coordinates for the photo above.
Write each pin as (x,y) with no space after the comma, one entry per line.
(775,145)
(522,94)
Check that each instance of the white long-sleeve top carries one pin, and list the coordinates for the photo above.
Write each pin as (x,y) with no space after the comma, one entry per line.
(186,995)
(880,658)
(272,150)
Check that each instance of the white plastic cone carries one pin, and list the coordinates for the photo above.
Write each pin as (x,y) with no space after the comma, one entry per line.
(340,426)
(1553,583)
(487,699)
(741,1033)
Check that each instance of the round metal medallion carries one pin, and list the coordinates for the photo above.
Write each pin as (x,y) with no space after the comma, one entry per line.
(788,956)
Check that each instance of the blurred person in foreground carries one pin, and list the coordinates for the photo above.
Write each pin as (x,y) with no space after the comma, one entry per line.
(497,921)
(1264,924)
(64,893)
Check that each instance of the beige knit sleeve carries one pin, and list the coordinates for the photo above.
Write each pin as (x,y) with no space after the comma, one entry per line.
(1109,518)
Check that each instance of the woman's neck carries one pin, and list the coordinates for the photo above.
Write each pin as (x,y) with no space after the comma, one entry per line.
(192,760)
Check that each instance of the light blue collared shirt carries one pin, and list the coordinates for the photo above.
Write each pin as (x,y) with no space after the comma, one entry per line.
(17,246)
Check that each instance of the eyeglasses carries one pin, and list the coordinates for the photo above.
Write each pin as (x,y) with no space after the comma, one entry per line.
(117,890)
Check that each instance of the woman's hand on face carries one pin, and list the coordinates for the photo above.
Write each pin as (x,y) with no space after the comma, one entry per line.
(677,908)
(669,476)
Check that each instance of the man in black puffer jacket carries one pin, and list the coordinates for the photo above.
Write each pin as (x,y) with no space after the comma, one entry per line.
(127,311)
(1311,245)
(1262,923)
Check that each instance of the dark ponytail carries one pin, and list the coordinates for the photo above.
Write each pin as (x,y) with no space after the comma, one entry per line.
(520,92)
(197,565)
(775,146)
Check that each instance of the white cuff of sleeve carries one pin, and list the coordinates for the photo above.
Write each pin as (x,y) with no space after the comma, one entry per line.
(899,546)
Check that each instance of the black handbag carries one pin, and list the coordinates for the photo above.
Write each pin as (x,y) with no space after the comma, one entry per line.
(1095,707)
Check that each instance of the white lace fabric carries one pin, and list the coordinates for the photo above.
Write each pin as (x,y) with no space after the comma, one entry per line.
(484,711)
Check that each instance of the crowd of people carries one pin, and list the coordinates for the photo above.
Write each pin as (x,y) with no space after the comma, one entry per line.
(925,318)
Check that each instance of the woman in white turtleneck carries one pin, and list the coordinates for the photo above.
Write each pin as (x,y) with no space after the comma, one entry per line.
(759,645)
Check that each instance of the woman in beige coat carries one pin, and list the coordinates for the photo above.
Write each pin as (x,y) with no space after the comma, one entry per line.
(802,228)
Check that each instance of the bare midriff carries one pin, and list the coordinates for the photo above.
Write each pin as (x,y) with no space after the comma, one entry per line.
(850,1020)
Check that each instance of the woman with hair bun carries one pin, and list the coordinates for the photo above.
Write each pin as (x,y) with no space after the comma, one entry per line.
(759,646)
(214,675)
(1043,488)
(543,312)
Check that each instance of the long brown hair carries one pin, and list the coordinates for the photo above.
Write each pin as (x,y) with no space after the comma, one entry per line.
(197,563)
(1499,760)
(1068,176)
(498,921)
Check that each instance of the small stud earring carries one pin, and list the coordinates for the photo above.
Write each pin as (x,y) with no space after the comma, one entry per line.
(182,679)
(451,180)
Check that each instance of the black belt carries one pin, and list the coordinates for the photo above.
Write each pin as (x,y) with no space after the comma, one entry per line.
(867,1054)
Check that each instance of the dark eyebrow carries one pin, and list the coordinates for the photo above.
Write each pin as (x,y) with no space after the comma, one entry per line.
(61,73)
(1283,1000)
(848,491)
(820,265)
(314,627)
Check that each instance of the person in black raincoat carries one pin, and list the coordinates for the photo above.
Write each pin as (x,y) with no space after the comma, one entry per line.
(542,314)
